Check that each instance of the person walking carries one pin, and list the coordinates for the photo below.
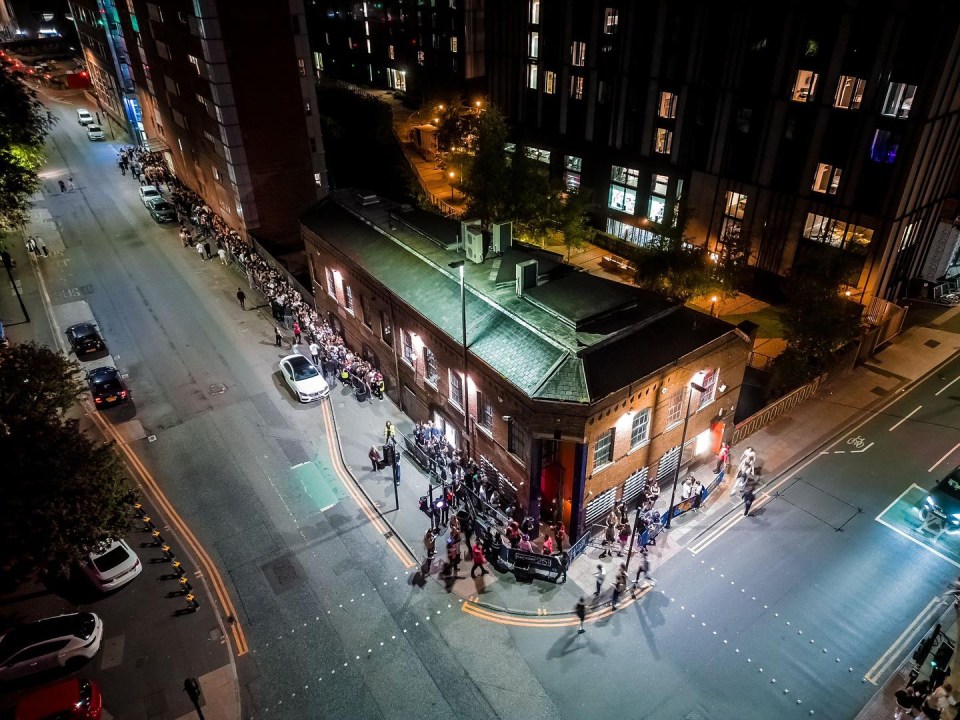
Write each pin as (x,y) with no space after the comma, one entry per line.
(207,250)
(581,611)
(296,332)
(643,569)
(748,497)
(478,561)
(619,585)
(71,185)
(63,186)
(199,248)
(430,543)
(389,432)
(453,558)
(375,458)
(277,336)
(241,298)
(600,575)
(223,256)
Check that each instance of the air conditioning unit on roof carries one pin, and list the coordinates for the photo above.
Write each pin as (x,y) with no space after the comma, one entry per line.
(471,235)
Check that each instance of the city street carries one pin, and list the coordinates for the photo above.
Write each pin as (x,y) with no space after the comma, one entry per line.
(788,612)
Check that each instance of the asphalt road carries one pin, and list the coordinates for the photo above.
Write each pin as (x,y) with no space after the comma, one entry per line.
(334,625)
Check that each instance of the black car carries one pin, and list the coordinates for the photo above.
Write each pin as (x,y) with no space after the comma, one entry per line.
(107,387)
(85,339)
(162,211)
(943,501)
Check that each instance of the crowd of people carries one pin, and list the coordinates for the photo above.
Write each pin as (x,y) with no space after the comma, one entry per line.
(201,229)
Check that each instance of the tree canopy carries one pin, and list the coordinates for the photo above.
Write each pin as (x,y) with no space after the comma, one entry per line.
(63,492)
(24,125)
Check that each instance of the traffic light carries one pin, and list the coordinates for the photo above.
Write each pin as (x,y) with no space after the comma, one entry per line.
(941,658)
(926,646)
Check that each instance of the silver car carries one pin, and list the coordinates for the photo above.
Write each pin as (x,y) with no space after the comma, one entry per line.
(111,565)
(304,379)
(62,641)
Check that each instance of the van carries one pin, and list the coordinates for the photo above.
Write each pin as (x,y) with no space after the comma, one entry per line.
(84,117)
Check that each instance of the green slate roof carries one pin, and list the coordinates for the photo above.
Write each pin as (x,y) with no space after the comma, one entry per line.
(533,343)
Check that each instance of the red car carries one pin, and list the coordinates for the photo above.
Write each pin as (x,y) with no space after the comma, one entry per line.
(73,699)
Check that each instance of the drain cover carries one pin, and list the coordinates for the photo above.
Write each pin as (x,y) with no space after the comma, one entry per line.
(218,389)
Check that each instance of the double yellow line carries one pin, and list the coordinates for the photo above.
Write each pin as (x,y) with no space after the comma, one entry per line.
(209,569)
(504,618)
(359,498)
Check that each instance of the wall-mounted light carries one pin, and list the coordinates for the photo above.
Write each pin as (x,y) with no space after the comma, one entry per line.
(722,387)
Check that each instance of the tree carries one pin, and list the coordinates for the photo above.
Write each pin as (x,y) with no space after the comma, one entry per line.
(732,268)
(487,176)
(63,493)
(669,266)
(818,320)
(24,124)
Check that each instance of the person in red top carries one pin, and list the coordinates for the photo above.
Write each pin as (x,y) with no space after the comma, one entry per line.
(478,561)
(723,457)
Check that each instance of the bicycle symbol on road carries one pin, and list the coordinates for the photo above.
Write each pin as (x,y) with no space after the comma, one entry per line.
(858,441)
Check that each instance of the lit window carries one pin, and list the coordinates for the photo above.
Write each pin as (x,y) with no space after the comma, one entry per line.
(846,236)
(406,341)
(655,208)
(610,20)
(331,284)
(663,142)
(709,386)
(195,62)
(623,199)
(533,45)
(456,389)
(640,429)
(734,205)
(572,162)
(430,367)
(668,105)
(899,99)
(391,52)
(578,53)
(849,92)
(453,44)
(625,176)
(302,67)
(827,179)
(348,297)
(659,184)
(603,449)
(534,12)
(576,87)
(549,82)
(630,233)
(537,154)
(884,147)
(421,57)
(532,76)
(307,109)
(571,181)
(804,86)
(675,406)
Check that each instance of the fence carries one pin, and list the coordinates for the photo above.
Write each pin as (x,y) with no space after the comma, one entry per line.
(305,294)
(772,412)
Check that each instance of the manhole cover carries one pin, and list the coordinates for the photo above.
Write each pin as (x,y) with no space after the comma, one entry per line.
(218,389)
(284,572)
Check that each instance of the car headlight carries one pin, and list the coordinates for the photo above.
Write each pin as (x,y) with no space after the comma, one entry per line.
(930,502)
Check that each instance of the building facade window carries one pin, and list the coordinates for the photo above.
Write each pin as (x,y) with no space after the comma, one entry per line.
(845,236)
(533,45)
(899,99)
(663,142)
(365,311)
(630,233)
(456,389)
(603,449)
(572,162)
(453,44)
(578,53)
(849,92)
(549,82)
(732,224)
(430,367)
(657,205)
(709,386)
(576,87)
(538,154)
(391,52)
(348,298)
(532,76)
(611,18)
(534,12)
(331,284)
(804,86)
(386,329)
(640,428)
(406,342)
(484,411)
(622,195)
(668,105)
(571,181)
(518,444)
(675,406)
(826,179)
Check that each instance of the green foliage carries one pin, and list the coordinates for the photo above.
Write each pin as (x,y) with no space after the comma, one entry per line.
(732,267)
(669,267)
(24,125)
(818,320)
(63,493)
(487,178)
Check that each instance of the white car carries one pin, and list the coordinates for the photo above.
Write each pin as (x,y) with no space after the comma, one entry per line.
(149,193)
(62,641)
(111,565)
(303,378)
(95,132)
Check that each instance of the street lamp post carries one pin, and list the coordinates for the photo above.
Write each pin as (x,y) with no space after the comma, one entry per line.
(452,175)
(683,438)
(459,265)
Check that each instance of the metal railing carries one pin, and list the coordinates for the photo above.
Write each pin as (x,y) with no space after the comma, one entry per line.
(772,412)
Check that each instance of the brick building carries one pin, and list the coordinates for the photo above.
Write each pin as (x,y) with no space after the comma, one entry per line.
(576,387)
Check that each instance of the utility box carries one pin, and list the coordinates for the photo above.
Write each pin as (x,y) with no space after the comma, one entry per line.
(526,276)
(471,235)
(502,237)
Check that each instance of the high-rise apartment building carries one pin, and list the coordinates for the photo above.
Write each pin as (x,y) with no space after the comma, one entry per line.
(413,46)
(227,93)
(802,127)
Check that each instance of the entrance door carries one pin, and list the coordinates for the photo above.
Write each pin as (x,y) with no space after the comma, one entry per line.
(448,430)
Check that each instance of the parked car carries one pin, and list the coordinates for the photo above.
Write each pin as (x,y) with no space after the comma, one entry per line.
(107,387)
(148,193)
(95,132)
(72,699)
(162,211)
(84,117)
(84,339)
(943,501)
(112,565)
(304,379)
(62,641)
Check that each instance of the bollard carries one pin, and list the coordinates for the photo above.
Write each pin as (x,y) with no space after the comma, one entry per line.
(185,584)
(138,509)
(178,568)
(192,604)
(148,523)
(167,552)
(157,538)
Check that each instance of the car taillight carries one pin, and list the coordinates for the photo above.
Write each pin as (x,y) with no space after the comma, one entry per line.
(123,393)
(98,400)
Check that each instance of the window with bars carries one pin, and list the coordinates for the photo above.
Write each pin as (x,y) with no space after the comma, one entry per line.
(603,449)
(640,428)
